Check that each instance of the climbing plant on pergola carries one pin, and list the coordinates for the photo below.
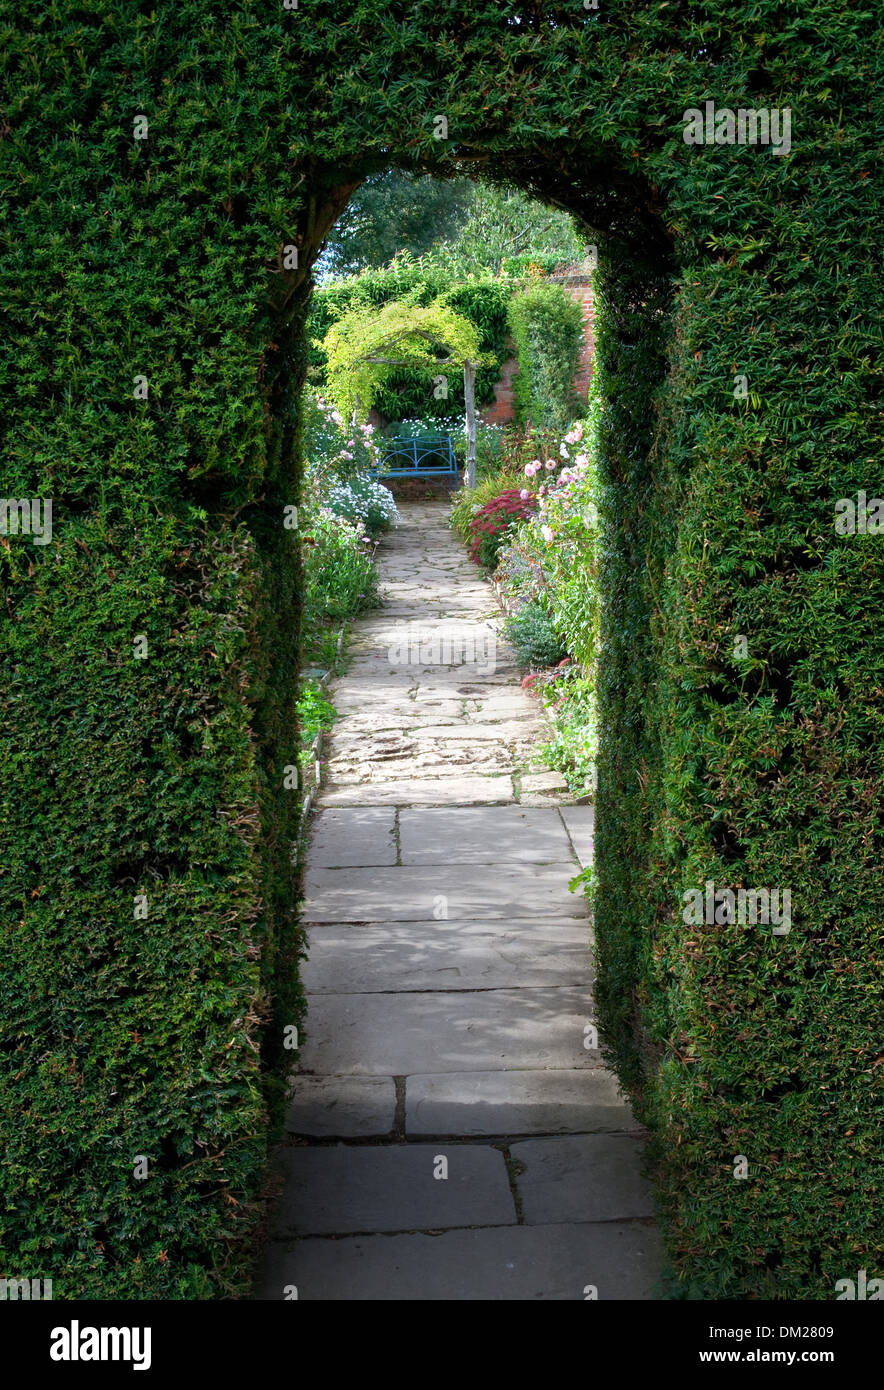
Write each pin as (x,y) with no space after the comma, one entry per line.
(363,347)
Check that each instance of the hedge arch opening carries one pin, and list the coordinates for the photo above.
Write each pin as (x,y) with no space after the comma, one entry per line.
(635,284)
(159,167)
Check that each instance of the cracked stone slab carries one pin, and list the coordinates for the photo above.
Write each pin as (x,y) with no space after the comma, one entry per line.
(489,1030)
(619,1260)
(341,1107)
(509,706)
(392,1187)
(404,714)
(482,833)
(440,891)
(447,955)
(444,678)
(581,1177)
(518,738)
(544,782)
(363,835)
(516,1102)
(395,755)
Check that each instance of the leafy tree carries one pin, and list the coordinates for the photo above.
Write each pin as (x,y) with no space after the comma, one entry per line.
(470,228)
(391,212)
(504,222)
(364,344)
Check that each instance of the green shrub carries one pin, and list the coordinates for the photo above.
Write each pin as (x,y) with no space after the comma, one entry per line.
(552,556)
(138,931)
(520,565)
(333,451)
(405,392)
(573,750)
(547,326)
(315,714)
(532,634)
(339,577)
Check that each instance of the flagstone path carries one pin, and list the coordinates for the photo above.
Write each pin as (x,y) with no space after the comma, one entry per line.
(450,1135)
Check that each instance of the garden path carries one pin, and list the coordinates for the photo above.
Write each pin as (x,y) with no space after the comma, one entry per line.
(449,985)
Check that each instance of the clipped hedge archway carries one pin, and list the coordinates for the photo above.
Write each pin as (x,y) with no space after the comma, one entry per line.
(169,179)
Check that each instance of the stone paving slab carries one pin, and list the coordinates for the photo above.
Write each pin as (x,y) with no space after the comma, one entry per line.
(391,756)
(389,631)
(496,708)
(425,693)
(489,1030)
(380,956)
(517,732)
(448,995)
(482,834)
(541,799)
(544,782)
(405,714)
(415,892)
(347,693)
(581,1177)
(340,1190)
(344,838)
(516,1102)
(457,790)
(444,678)
(458,607)
(341,1107)
(580,825)
(519,1263)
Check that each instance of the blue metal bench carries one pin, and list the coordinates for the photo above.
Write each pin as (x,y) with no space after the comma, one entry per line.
(409,458)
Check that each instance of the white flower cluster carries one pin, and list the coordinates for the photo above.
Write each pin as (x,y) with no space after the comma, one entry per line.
(362,499)
(448,424)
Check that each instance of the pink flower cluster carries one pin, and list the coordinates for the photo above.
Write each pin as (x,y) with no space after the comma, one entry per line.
(558,487)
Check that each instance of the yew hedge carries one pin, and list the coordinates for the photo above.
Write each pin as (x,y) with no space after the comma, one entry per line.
(747,764)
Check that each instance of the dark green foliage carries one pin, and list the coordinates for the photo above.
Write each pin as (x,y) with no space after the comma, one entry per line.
(532,634)
(573,750)
(165,257)
(547,327)
(127,1035)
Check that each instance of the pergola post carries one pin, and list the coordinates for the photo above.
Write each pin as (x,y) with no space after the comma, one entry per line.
(469,395)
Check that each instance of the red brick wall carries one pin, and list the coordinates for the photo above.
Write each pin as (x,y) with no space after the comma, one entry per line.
(503,409)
